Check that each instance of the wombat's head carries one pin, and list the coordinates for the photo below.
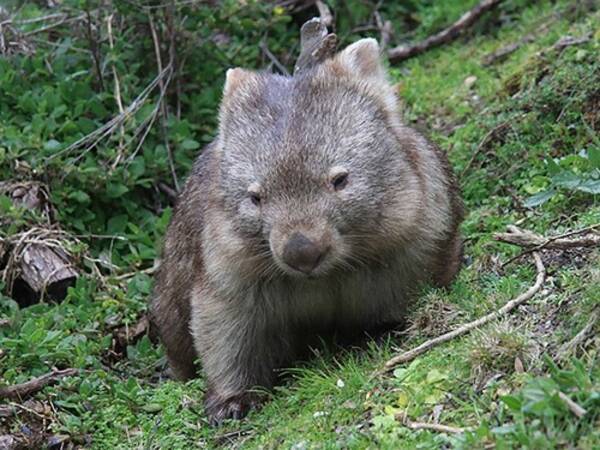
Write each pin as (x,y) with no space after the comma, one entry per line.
(311,170)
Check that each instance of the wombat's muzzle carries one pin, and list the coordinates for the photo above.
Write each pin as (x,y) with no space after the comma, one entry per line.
(302,254)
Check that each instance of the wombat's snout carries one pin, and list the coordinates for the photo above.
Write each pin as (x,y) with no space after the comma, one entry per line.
(303,254)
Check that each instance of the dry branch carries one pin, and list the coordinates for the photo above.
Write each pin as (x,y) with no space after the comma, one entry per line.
(36,259)
(18,391)
(163,107)
(525,238)
(401,417)
(533,241)
(574,407)
(466,328)
(324,13)
(403,52)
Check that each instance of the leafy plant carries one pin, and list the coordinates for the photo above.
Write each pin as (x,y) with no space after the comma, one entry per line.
(580,172)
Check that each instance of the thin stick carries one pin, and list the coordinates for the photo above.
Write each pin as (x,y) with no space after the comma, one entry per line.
(265,49)
(94,46)
(574,407)
(324,13)
(466,328)
(117,91)
(403,52)
(36,384)
(163,108)
(401,417)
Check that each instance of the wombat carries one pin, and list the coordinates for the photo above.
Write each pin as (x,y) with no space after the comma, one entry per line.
(314,211)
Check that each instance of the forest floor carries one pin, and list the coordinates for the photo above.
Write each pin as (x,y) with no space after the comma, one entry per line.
(521,130)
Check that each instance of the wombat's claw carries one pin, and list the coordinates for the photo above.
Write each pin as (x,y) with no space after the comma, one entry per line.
(219,410)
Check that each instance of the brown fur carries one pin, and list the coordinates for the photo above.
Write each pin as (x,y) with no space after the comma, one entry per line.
(225,292)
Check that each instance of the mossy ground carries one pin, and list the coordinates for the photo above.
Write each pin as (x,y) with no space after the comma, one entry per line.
(502,382)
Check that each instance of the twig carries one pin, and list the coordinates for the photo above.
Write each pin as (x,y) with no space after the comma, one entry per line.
(117,90)
(169,191)
(163,107)
(92,139)
(466,328)
(535,242)
(574,407)
(385,30)
(324,13)
(403,52)
(401,417)
(567,41)
(94,46)
(36,384)
(580,337)
(265,49)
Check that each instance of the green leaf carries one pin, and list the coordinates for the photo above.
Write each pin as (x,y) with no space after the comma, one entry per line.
(539,198)
(435,376)
(79,196)
(590,186)
(568,180)
(190,144)
(5,203)
(594,157)
(553,168)
(52,145)
(152,408)
(400,373)
(115,190)
(512,402)
(137,167)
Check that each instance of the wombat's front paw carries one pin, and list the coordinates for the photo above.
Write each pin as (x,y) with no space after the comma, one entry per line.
(219,409)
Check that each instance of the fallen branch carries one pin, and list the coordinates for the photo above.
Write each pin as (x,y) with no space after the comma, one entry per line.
(402,52)
(37,384)
(466,328)
(534,242)
(525,238)
(574,407)
(402,418)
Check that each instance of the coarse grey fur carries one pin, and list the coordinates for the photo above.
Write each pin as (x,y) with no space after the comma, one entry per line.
(227,293)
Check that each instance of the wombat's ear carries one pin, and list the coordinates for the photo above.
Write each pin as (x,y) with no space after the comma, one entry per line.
(362,58)
(236,79)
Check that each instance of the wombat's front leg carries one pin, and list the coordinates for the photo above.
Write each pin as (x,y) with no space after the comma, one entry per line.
(239,347)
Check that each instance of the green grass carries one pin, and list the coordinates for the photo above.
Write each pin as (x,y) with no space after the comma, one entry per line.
(548,101)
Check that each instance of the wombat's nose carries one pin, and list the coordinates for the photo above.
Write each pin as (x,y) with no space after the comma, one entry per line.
(301,253)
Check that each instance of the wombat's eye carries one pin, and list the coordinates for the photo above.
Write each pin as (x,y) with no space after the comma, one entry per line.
(254,198)
(339,180)
(254,194)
